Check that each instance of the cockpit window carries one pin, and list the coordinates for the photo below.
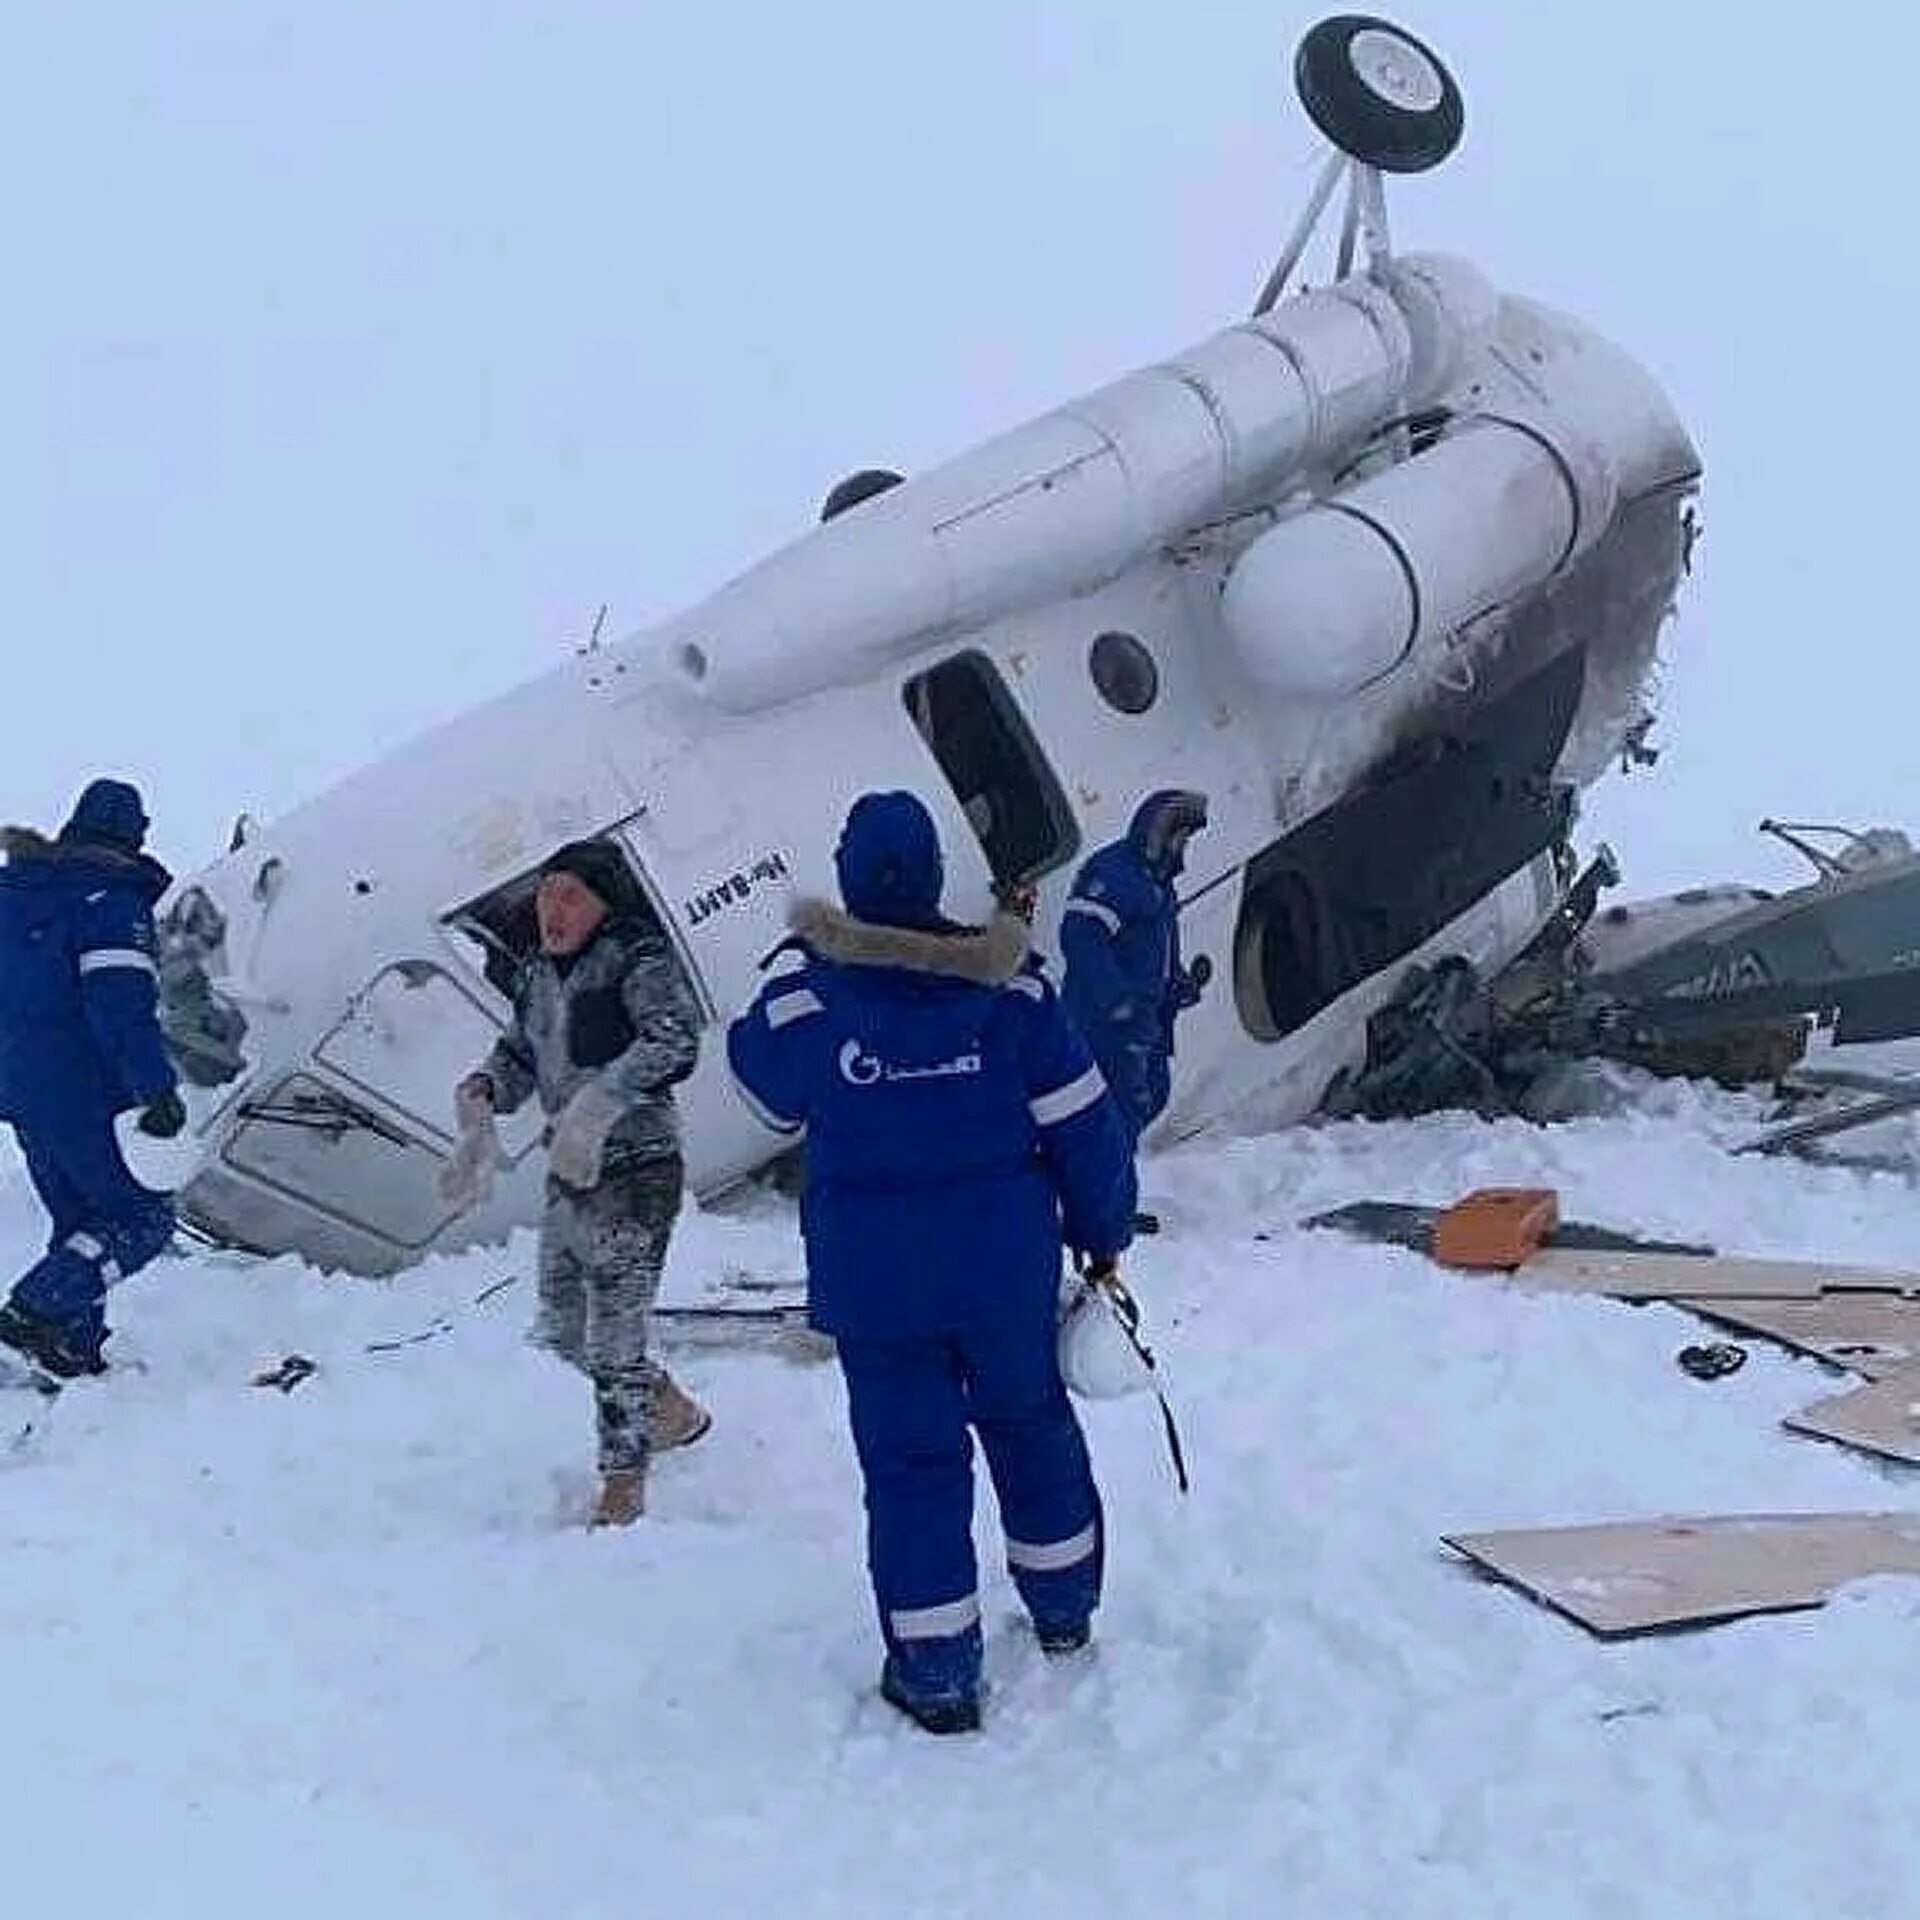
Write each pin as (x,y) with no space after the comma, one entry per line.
(993,763)
(343,1158)
(407,1037)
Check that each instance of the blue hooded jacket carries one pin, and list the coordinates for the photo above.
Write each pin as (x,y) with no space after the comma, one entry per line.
(1120,938)
(958,1131)
(79,1030)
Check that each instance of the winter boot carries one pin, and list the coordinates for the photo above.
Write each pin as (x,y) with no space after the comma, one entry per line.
(623,1497)
(678,1419)
(936,1713)
(44,1344)
(1058,1637)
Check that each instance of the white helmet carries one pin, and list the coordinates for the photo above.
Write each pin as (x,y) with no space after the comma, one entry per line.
(1102,1353)
(161,1166)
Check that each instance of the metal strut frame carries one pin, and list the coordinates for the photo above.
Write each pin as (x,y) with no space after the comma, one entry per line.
(1364,217)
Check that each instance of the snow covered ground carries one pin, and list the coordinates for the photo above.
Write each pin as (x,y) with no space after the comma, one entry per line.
(339,1652)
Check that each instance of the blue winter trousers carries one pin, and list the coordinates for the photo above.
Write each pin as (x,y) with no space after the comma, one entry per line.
(104,1226)
(912,1403)
(1139,1077)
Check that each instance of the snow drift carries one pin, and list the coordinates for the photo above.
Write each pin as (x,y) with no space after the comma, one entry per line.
(341,1649)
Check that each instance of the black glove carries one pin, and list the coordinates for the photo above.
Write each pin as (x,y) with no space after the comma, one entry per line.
(164,1116)
(1183,990)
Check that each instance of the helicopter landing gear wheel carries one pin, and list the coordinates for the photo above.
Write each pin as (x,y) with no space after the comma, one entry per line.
(1381,96)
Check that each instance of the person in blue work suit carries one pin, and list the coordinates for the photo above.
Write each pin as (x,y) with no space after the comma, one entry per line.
(959,1136)
(80,1043)
(1125,984)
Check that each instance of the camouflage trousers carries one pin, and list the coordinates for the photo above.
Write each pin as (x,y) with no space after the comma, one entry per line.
(601,1253)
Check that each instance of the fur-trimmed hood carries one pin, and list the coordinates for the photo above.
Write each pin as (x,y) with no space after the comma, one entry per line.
(1162,825)
(986,956)
(29,847)
(27,843)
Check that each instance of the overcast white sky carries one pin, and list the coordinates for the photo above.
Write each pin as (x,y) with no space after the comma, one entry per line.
(355,353)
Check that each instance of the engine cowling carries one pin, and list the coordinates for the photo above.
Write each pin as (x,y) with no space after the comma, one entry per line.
(1347,592)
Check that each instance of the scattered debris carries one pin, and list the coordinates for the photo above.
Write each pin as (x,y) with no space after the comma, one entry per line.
(1871,1334)
(1666,1276)
(1722,983)
(1901,1096)
(1632,1577)
(1572,1257)
(1395,1223)
(443,1323)
(1711,1362)
(1496,1228)
(1880,1418)
(782,1331)
(440,1323)
(1641,1710)
(288,1374)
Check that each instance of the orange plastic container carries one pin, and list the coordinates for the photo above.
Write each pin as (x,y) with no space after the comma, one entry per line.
(1496,1228)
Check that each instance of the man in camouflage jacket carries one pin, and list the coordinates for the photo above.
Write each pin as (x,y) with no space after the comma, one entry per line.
(604,1027)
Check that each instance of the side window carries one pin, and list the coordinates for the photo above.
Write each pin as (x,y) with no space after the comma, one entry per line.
(995,767)
(1124,671)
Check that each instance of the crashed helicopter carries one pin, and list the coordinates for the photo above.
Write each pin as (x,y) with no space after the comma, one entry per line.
(1381,569)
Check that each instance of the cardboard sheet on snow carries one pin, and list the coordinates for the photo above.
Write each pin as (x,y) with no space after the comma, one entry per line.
(1672,1276)
(1878,1419)
(1640,1576)
(1871,1334)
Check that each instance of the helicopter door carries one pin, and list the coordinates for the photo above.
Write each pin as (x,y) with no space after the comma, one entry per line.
(1120,690)
(501,931)
(1005,786)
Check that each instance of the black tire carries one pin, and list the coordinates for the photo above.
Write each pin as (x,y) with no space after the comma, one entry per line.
(1379,94)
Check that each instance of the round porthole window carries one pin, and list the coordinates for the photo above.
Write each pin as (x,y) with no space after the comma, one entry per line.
(1124,672)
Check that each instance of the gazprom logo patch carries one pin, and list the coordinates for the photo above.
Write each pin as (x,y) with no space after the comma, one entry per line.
(859,1068)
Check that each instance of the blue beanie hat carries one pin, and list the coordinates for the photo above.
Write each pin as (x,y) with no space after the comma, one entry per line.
(888,862)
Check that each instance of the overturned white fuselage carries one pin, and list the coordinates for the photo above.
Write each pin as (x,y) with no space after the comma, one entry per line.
(1381,571)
